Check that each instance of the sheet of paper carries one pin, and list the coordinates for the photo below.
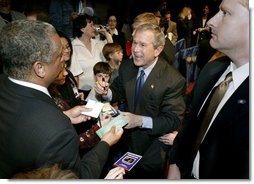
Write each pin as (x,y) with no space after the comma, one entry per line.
(96,108)
(128,161)
(119,121)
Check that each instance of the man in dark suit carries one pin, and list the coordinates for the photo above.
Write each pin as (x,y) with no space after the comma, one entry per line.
(221,149)
(34,131)
(159,107)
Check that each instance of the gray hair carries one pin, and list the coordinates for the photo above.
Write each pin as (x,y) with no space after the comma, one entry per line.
(24,42)
(159,37)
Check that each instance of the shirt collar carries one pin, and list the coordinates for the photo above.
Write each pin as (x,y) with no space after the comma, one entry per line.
(238,74)
(148,69)
(31,85)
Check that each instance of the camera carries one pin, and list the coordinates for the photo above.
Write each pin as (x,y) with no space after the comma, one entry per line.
(101,27)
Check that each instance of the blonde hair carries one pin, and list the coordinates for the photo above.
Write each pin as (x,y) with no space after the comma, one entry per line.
(53,172)
(145,18)
(184,12)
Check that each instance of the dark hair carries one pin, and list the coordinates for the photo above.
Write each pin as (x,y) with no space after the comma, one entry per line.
(102,67)
(63,35)
(79,23)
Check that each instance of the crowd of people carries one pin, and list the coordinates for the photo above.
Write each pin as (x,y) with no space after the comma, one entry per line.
(53,62)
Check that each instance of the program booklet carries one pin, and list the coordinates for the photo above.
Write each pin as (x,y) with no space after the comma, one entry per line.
(128,161)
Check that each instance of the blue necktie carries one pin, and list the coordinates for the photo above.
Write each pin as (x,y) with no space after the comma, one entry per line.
(139,85)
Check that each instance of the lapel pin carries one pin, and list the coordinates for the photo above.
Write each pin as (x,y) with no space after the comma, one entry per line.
(152,86)
(241,101)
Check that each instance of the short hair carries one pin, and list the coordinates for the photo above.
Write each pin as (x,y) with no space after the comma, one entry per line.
(145,18)
(159,38)
(24,42)
(79,23)
(46,172)
(102,67)
(110,48)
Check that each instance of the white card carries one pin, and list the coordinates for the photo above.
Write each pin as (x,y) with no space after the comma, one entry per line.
(96,108)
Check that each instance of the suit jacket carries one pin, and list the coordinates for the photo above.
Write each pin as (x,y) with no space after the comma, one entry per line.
(224,152)
(35,132)
(161,99)
(168,52)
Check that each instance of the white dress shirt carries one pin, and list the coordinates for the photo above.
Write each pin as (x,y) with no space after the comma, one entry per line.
(239,75)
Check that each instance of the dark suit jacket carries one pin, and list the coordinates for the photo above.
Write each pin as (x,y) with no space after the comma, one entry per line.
(224,152)
(168,52)
(161,98)
(35,132)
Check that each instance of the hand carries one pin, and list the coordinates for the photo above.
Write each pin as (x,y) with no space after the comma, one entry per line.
(112,136)
(105,118)
(75,114)
(82,96)
(133,120)
(169,138)
(173,172)
(101,88)
(116,173)
(74,15)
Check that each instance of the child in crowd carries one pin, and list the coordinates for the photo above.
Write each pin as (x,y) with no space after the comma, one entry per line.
(102,73)
(113,53)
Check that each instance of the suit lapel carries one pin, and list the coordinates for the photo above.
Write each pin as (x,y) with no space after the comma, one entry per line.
(130,87)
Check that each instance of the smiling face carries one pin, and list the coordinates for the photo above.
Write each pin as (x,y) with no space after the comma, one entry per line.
(230,28)
(143,50)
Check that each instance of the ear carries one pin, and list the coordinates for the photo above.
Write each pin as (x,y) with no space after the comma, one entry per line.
(110,56)
(158,50)
(39,69)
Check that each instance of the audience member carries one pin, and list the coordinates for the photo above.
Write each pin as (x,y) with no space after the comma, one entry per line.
(118,36)
(168,52)
(172,28)
(156,110)
(113,54)
(41,133)
(186,25)
(7,14)
(102,73)
(60,14)
(86,51)
(215,145)
(69,90)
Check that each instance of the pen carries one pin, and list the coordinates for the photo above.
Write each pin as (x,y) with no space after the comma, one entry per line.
(103,80)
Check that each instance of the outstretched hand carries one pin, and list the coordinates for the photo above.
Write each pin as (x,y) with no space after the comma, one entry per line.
(112,136)
(133,119)
(75,114)
(116,173)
